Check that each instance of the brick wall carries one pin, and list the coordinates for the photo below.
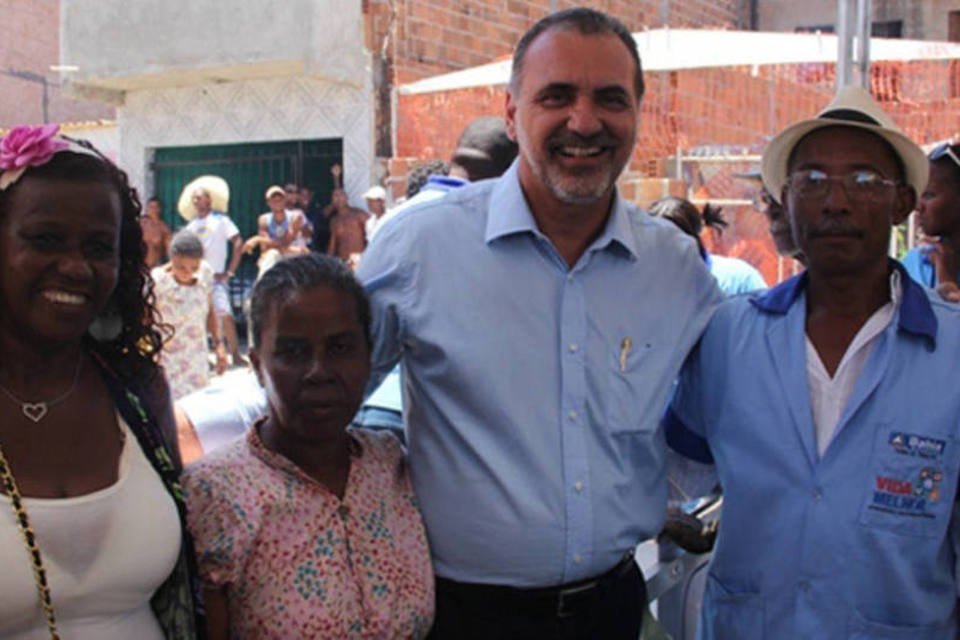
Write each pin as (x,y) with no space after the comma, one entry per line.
(709,113)
(436,36)
(428,37)
(30,43)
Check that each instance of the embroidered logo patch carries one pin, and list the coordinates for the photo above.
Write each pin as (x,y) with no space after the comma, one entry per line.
(908,497)
(911,444)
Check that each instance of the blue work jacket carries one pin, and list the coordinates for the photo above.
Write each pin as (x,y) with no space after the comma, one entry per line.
(853,544)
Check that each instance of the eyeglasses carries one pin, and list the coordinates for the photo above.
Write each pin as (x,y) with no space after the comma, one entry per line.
(864,185)
(943,150)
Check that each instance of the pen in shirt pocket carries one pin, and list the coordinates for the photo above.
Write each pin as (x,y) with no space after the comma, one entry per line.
(625,345)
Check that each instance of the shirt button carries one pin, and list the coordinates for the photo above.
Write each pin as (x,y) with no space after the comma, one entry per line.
(804,586)
(578,486)
(576,558)
(572,414)
(573,347)
(817,493)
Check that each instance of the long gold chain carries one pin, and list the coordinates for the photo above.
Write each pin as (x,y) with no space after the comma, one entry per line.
(39,573)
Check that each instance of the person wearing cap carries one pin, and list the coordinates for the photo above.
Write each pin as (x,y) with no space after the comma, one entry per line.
(541,320)
(217,232)
(831,407)
(376,199)
(484,150)
(277,231)
(937,263)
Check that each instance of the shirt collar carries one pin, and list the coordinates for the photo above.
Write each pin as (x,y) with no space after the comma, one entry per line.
(916,313)
(508,213)
(444,183)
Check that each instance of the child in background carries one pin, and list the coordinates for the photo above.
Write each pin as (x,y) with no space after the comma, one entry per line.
(183,288)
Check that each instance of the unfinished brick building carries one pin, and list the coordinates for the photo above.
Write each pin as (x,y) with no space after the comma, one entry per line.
(714,97)
(701,122)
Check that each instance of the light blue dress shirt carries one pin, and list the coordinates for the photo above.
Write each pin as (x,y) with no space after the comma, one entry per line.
(533,391)
(857,543)
(920,268)
(735,276)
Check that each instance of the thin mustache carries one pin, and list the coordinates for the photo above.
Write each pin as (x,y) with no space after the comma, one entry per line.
(838,228)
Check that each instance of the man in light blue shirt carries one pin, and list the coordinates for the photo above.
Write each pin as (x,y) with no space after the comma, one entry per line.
(735,276)
(540,321)
(831,406)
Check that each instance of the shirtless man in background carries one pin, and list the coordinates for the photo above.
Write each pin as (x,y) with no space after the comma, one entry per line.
(348,237)
(156,233)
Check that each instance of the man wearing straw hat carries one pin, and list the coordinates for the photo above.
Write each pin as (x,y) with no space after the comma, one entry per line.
(203,202)
(831,406)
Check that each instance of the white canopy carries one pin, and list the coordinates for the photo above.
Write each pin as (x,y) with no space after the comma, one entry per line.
(673,49)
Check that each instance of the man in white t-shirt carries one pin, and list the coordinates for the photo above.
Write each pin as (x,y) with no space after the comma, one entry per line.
(376,199)
(215,231)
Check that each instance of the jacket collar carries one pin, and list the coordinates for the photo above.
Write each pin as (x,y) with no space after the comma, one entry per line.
(916,314)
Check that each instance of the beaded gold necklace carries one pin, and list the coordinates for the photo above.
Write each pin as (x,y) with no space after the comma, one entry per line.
(30,539)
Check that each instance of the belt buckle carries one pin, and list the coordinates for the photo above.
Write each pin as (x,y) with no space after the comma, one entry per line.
(564,594)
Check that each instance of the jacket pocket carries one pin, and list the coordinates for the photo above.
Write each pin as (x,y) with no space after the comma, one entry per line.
(911,483)
(731,613)
(859,628)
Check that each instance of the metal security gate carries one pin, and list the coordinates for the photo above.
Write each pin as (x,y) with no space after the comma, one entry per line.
(249,168)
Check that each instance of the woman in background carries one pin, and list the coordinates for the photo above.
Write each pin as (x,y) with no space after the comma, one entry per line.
(734,276)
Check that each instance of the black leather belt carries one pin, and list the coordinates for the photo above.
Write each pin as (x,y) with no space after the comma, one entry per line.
(562,601)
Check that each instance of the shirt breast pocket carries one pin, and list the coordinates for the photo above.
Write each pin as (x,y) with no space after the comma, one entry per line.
(913,478)
(628,387)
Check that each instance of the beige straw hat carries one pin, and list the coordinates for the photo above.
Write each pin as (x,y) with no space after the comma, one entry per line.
(214,185)
(853,106)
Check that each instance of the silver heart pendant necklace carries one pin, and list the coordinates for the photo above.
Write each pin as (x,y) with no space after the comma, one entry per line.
(36,411)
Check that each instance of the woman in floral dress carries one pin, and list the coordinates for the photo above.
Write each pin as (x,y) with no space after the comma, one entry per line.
(183,288)
(305,528)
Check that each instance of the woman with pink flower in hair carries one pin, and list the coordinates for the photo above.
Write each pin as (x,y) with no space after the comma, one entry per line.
(92,543)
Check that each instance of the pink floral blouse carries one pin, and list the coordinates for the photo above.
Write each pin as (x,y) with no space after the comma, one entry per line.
(300,563)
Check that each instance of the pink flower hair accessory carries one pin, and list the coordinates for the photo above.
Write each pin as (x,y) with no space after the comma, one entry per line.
(24,147)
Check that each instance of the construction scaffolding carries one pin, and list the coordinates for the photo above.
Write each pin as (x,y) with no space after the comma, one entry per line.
(714,100)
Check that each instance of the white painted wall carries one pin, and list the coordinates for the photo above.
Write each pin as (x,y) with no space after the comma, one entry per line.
(122,45)
(104,136)
(250,111)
